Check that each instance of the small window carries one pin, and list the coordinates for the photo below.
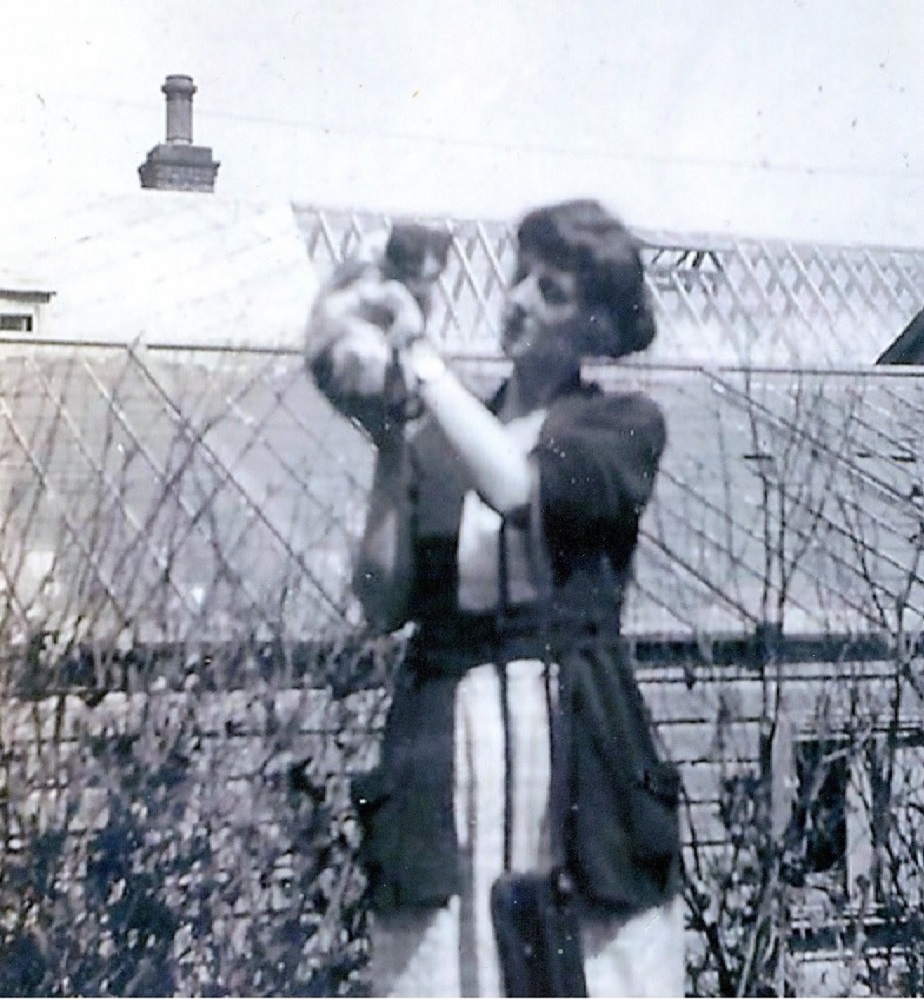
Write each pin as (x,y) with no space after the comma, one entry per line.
(691,267)
(820,809)
(16,322)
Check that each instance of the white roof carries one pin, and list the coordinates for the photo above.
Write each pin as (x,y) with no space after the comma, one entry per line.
(160,266)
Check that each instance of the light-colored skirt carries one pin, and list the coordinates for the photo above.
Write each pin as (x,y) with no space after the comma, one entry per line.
(450,952)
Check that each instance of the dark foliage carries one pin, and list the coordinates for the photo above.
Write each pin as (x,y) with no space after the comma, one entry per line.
(195,834)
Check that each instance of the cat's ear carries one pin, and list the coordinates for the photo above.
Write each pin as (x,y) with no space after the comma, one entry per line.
(369,253)
(372,248)
(440,243)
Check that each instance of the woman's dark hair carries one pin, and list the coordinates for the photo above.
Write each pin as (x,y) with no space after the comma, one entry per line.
(584,238)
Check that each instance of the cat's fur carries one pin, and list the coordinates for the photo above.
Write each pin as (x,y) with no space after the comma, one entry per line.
(339,360)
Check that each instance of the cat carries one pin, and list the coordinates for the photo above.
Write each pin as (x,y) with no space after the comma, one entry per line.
(338,360)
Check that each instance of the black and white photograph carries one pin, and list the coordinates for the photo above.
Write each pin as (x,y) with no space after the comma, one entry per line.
(461,498)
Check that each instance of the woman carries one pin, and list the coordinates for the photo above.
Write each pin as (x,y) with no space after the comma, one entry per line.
(434,811)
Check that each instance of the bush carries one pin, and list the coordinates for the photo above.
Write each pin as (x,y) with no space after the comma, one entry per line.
(192,838)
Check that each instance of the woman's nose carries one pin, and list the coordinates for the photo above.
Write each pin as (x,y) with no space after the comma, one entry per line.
(523,295)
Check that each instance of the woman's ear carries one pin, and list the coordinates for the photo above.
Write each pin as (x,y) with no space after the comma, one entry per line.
(636,325)
(594,333)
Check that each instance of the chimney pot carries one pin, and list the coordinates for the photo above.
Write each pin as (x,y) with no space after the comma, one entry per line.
(179,89)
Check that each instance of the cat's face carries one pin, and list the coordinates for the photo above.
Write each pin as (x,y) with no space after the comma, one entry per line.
(416,256)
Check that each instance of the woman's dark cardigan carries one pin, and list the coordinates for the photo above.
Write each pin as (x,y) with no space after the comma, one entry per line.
(597,457)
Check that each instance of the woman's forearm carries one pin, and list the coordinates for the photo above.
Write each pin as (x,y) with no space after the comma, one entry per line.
(384,568)
(497,463)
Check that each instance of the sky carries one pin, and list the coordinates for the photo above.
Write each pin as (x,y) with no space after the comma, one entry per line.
(783,118)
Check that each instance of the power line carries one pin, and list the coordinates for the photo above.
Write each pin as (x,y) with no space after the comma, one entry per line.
(547,149)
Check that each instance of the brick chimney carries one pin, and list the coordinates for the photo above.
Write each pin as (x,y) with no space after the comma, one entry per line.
(176,164)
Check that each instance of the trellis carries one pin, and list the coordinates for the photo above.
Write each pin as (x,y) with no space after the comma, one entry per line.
(720,300)
(175,555)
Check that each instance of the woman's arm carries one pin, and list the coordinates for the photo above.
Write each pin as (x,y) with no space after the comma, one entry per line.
(348,352)
(497,463)
(598,457)
(383,572)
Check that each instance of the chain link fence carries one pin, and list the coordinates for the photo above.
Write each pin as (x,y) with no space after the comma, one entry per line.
(188,687)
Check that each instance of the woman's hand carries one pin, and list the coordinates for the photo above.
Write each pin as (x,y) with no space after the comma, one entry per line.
(357,330)
(353,329)
(345,350)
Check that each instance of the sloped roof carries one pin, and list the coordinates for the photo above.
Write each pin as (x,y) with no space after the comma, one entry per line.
(23,287)
(792,497)
(203,492)
(908,347)
(162,266)
(173,492)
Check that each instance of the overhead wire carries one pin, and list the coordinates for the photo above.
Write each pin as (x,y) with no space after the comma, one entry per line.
(549,149)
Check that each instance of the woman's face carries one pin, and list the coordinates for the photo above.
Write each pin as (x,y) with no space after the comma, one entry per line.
(541,296)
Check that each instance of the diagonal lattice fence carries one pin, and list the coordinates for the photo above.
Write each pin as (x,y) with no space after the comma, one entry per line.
(160,496)
(164,493)
(187,684)
(719,300)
